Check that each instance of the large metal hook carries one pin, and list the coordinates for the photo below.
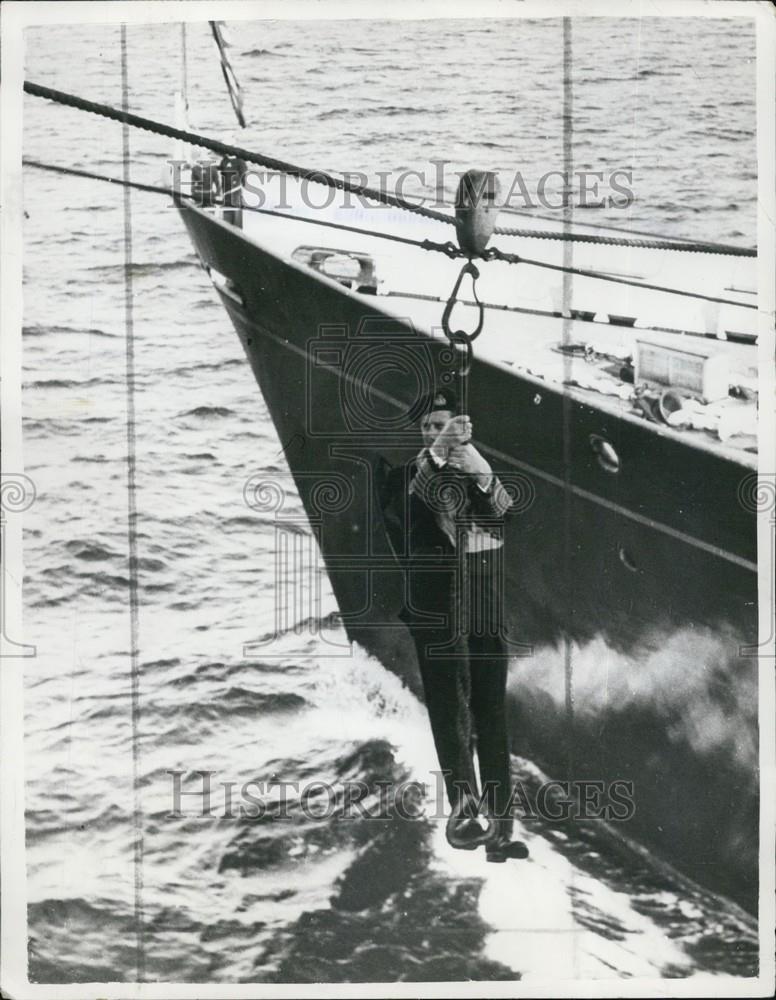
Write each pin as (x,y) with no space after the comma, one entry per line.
(461,337)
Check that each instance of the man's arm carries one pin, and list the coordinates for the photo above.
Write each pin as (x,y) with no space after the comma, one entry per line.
(488,497)
(425,484)
(491,502)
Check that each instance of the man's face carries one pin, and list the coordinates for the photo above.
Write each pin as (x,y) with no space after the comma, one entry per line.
(432,425)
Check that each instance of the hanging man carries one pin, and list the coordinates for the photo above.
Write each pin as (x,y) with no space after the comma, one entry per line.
(445,510)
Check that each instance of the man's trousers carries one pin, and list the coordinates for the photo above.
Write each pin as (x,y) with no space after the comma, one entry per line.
(463,665)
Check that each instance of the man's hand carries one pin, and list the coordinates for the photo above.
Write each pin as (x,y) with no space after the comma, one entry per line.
(466,459)
(457,431)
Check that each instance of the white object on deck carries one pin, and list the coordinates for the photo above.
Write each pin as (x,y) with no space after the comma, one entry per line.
(703,373)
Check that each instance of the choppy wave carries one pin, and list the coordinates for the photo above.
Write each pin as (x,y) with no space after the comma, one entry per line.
(208,411)
(209,366)
(42,330)
(65,383)
(141,268)
(88,551)
(262,52)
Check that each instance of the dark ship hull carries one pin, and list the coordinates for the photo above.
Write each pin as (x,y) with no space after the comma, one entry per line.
(633,590)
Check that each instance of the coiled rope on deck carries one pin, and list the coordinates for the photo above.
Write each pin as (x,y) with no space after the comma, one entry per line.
(345,184)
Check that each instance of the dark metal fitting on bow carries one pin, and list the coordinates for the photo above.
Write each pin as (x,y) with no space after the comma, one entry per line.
(493,253)
(476,210)
(449,248)
(465,352)
(460,338)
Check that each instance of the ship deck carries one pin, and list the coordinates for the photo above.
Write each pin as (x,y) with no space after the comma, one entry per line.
(525,320)
(529,344)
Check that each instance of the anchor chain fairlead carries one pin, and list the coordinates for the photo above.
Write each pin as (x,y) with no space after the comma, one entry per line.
(476,210)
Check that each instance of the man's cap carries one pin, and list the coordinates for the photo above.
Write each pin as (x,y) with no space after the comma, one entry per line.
(442,398)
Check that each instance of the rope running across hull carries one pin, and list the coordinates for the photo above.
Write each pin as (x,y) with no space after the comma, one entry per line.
(344,184)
